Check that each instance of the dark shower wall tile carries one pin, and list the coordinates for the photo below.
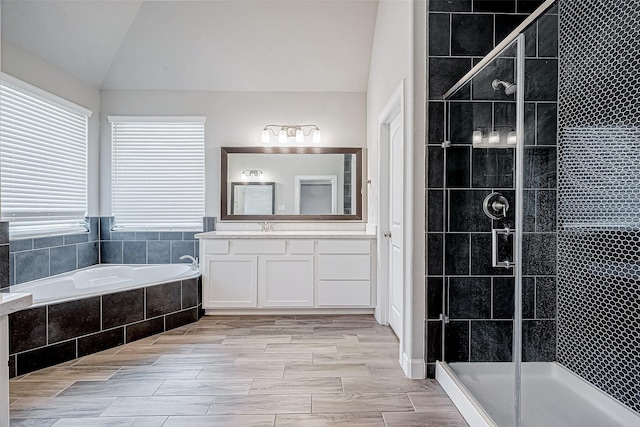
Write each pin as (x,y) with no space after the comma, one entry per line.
(546,211)
(457,254)
(491,341)
(436,123)
(27,329)
(502,69)
(505,6)
(456,346)
(112,313)
(434,341)
(467,117)
(71,319)
(435,210)
(529,211)
(547,124)
(505,24)
(481,257)
(470,297)
(528,6)
(458,162)
(503,291)
(444,73)
(435,293)
(548,36)
(31,265)
(63,259)
(528,297)
(539,254)
(492,168)
(541,80)
(546,294)
(439,34)
(538,340)
(163,299)
(465,211)
(435,246)
(435,169)
(540,167)
(450,5)
(504,116)
(471,35)
(530,123)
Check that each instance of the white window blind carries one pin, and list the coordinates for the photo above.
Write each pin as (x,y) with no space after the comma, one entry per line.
(43,167)
(157,173)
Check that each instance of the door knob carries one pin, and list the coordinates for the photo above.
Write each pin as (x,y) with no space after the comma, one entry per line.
(387,234)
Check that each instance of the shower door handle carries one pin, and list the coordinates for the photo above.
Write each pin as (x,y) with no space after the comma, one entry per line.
(502,247)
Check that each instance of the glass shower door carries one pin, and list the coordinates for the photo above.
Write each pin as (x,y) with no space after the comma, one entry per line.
(479,221)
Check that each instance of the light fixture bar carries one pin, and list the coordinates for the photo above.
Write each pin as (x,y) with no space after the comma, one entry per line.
(284,132)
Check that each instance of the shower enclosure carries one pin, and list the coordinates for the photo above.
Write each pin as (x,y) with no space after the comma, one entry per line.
(504,237)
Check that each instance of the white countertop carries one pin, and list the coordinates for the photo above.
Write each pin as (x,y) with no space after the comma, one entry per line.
(12,302)
(289,234)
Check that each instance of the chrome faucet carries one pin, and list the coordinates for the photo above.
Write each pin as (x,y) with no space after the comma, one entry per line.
(267,227)
(194,261)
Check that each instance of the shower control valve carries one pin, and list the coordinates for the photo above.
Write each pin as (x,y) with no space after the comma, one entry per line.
(495,206)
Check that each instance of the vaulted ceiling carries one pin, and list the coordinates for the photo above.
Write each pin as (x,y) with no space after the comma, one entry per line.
(241,45)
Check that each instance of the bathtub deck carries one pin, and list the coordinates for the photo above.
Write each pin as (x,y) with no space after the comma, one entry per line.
(239,371)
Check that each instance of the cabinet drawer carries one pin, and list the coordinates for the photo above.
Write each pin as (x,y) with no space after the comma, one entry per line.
(344,267)
(301,247)
(344,247)
(213,246)
(344,293)
(258,246)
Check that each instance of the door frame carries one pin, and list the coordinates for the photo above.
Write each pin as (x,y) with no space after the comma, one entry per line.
(396,106)
(331,179)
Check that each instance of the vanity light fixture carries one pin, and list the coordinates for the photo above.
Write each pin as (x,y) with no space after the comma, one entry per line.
(291,131)
(252,174)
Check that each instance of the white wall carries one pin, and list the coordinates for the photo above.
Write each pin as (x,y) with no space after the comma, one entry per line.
(391,62)
(235,119)
(31,69)
(399,53)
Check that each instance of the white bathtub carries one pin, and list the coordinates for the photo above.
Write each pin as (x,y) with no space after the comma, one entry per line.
(101,279)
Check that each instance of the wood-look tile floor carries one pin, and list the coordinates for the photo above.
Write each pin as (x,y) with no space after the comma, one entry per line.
(239,371)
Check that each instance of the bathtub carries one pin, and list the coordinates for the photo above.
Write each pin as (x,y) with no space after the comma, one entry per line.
(100,307)
(101,279)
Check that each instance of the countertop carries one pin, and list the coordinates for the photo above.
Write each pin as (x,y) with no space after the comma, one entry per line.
(290,234)
(12,302)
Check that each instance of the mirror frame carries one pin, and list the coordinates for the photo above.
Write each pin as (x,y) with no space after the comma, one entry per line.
(224,182)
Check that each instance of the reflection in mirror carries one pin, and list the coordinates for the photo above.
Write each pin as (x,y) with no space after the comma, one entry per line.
(307,183)
(252,198)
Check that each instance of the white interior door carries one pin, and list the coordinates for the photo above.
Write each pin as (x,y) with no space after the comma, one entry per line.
(396,226)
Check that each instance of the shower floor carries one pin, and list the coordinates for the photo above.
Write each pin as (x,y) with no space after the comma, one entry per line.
(551,396)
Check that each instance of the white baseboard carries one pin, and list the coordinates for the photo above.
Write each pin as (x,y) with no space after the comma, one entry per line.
(413,368)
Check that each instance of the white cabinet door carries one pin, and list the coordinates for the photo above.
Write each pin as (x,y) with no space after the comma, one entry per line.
(231,281)
(285,281)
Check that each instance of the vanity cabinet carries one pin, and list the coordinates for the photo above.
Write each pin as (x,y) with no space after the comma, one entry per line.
(284,273)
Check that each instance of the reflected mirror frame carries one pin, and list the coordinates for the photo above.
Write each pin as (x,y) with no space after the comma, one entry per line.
(271,185)
(224,182)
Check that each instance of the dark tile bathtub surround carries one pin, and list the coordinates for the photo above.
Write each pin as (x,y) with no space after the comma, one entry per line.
(31,259)
(148,247)
(478,297)
(52,334)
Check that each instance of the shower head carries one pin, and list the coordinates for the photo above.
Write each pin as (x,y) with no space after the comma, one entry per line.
(509,88)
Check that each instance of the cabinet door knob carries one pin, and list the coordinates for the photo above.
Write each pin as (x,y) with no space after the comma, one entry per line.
(387,234)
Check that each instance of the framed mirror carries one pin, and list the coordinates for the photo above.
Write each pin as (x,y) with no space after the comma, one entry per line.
(291,183)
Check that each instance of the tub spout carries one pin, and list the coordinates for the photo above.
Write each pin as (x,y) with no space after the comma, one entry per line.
(194,261)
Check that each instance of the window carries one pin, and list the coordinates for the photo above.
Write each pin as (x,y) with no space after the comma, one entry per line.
(157,173)
(43,167)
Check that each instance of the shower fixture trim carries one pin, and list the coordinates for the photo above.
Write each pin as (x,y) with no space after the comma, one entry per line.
(509,88)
